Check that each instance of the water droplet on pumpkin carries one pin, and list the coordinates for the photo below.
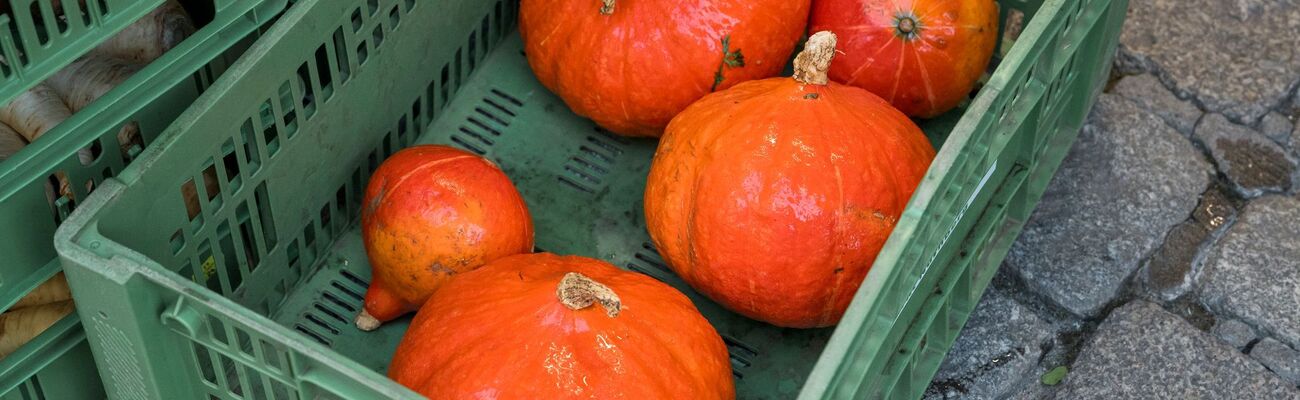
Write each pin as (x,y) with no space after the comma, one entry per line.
(950,15)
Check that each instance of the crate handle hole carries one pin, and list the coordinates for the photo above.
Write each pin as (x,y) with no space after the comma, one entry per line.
(90,154)
(177,242)
(189,196)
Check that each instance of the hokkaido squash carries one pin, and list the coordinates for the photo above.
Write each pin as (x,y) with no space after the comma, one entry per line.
(631,65)
(773,197)
(541,326)
(431,212)
(923,56)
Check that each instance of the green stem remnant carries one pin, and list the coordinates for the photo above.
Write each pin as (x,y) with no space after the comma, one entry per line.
(730,59)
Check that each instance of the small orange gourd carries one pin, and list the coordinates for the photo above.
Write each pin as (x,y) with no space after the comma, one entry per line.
(774,197)
(541,326)
(431,212)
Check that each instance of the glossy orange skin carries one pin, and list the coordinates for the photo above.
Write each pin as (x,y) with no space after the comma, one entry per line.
(432,212)
(925,75)
(633,70)
(774,197)
(499,332)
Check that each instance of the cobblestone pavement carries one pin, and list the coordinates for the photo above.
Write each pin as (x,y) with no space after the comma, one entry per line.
(1164,258)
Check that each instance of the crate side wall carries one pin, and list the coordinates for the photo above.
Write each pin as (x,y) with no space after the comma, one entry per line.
(965,220)
(239,152)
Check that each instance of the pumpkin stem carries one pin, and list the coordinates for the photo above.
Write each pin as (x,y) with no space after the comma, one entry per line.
(576,291)
(607,7)
(366,322)
(811,64)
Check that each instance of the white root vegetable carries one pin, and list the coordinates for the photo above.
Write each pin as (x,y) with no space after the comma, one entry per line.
(53,290)
(35,112)
(20,326)
(147,39)
(10,142)
(88,78)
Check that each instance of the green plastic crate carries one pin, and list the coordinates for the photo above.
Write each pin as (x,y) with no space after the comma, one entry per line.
(41,43)
(57,364)
(254,296)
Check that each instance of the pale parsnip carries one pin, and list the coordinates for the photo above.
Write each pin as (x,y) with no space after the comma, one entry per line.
(53,290)
(90,77)
(35,112)
(20,326)
(86,80)
(147,39)
(10,142)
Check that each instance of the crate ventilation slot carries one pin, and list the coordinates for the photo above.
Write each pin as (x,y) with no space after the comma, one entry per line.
(596,156)
(647,261)
(330,314)
(742,355)
(31,389)
(236,364)
(485,124)
(49,26)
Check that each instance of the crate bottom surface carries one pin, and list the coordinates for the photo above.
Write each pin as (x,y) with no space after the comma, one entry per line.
(584,187)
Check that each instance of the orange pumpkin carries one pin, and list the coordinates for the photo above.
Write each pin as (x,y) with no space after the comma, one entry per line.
(773,197)
(541,326)
(924,56)
(432,212)
(631,65)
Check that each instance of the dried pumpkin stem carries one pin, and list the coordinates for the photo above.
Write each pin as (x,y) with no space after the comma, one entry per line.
(576,291)
(607,7)
(366,322)
(811,64)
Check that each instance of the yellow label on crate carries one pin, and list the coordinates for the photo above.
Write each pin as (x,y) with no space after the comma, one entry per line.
(209,268)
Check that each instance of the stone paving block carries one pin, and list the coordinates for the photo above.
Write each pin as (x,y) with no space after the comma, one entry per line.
(1151,95)
(1276,127)
(1242,67)
(1295,139)
(1253,272)
(1254,164)
(1035,391)
(1279,358)
(1234,332)
(998,348)
(1143,352)
(1294,109)
(1125,183)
